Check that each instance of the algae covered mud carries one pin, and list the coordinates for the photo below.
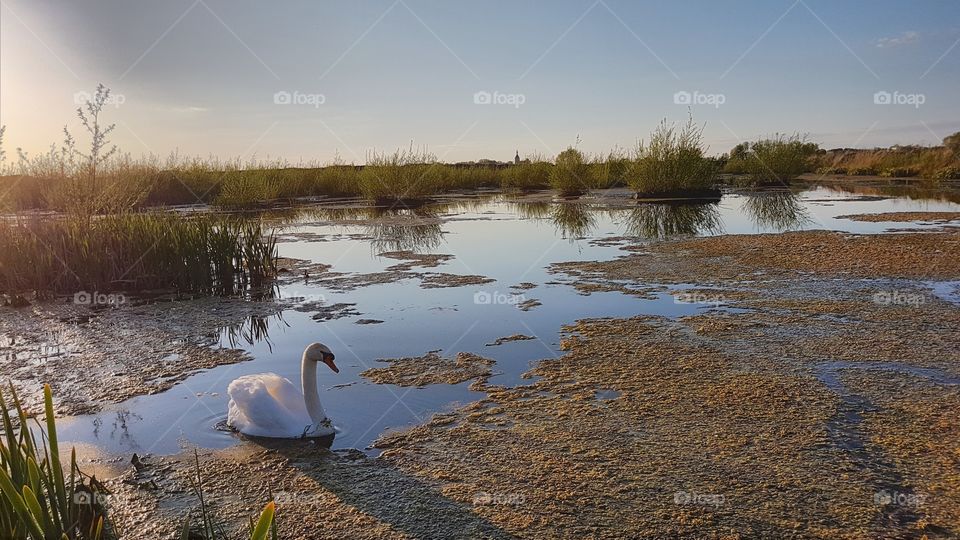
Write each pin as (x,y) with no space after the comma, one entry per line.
(774,364)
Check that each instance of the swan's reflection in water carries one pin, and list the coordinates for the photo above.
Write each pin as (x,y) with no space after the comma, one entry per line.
(779,210)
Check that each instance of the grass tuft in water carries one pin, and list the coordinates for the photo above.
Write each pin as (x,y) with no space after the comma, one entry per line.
(672,162)
(773,161)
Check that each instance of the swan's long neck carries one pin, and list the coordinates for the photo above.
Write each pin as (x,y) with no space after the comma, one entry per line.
(311,396)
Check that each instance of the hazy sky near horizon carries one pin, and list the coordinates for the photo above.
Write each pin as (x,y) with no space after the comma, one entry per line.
(306,80)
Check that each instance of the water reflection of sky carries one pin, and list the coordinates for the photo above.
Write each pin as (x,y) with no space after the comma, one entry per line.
(497,238)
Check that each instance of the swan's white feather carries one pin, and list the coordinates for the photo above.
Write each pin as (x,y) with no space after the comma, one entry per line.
(267,405)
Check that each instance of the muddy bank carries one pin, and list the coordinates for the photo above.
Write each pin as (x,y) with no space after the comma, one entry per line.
(930,217)
(751,257)
(93,355)
(320,495)
(430,368)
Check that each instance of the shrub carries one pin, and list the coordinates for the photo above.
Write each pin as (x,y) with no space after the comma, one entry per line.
(609,171)
(952,143)
(947,173)
(528,175)
(673,161)
(832,170)
(570,174)
(862,171)
(779,159)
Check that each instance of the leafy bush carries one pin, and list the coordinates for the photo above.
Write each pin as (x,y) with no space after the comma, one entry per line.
(673,161)
(570,174)
(947,173)
(609,171)
(779,159)
(528,175)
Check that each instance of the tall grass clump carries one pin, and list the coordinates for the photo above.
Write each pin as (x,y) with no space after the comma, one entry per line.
(775,160)
(405,175)
(531,174)
(134,252)
(610,170)
(672,162)
(40,497)
(570,175)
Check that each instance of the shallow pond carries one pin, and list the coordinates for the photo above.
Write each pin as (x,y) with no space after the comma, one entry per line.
(508,241)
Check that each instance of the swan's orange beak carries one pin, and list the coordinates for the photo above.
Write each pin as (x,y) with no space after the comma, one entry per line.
(328,360)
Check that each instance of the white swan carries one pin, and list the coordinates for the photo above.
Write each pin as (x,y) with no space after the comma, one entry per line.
(268,405)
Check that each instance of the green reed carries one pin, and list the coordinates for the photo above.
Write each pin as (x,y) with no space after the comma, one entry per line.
(134,252)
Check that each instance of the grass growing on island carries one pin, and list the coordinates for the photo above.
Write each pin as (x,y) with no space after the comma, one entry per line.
(673,161)
(134,252)
(570,175)
(773,161)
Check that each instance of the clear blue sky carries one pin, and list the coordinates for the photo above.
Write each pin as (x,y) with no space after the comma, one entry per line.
(200,76)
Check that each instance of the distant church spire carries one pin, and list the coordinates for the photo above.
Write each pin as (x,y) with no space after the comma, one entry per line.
(516,158)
